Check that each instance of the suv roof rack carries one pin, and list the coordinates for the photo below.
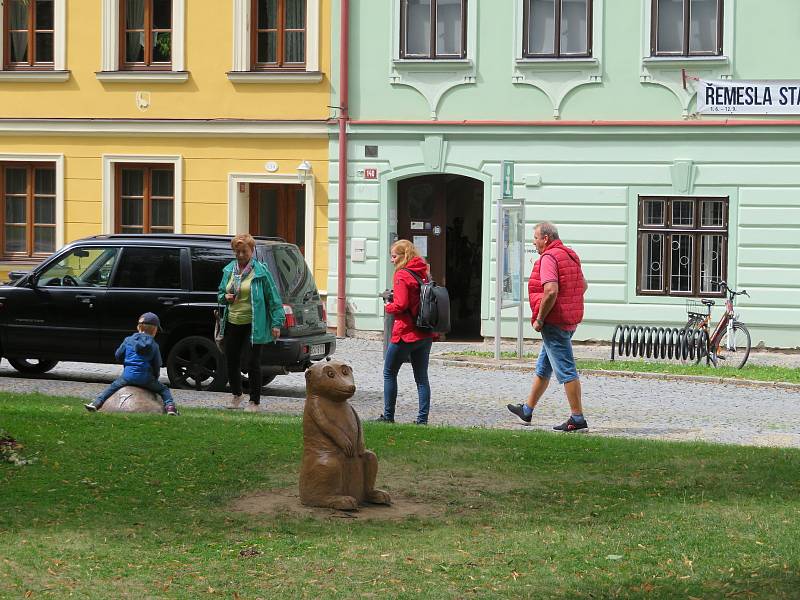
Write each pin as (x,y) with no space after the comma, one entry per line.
(182,236)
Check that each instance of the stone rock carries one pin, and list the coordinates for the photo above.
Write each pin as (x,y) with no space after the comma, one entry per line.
(337,470)
(133,399)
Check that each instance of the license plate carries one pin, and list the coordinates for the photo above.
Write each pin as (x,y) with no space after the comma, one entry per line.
(317,350)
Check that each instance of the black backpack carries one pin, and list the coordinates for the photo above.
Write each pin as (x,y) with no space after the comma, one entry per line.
(434,306)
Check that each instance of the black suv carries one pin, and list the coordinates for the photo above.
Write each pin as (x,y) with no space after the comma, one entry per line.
(81,302)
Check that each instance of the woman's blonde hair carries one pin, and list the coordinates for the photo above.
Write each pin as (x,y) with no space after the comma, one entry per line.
(243,239)
(405,250)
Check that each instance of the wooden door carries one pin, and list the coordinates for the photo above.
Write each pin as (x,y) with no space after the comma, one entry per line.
(422,219)
(279,210)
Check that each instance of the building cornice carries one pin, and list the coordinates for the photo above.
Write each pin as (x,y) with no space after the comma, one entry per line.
(166,127)
(598,127)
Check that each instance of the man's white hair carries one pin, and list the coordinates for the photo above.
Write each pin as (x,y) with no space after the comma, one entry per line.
(548,229)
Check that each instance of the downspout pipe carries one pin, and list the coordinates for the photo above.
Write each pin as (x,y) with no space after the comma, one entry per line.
(344,116)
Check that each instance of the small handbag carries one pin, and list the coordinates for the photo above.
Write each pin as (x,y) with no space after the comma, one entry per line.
(219,338)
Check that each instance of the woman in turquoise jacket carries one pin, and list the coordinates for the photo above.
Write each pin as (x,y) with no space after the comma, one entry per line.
(252,314)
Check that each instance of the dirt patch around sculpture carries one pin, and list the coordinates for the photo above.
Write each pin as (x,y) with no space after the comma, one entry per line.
(285,502)
(425,495)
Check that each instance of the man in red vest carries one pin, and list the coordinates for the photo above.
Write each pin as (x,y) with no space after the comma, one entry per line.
(555,289)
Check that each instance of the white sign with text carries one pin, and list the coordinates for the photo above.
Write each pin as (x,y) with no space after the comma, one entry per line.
(780,97)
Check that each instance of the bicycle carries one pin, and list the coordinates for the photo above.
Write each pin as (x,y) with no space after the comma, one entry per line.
(729,344)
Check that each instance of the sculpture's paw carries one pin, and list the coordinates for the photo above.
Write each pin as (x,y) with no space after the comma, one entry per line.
(344,503)
(379,497)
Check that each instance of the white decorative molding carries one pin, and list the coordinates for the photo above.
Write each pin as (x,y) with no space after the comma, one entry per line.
(109,185)
(667,71)
(434,148)
(242,61)
(58,159)
(557,77)
(239,205)
(149,76)
(274,77)
(59,42)
(34,76)
(433,78)
(110,38)
(165,127)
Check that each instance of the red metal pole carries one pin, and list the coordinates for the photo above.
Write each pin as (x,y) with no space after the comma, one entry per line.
(344,98)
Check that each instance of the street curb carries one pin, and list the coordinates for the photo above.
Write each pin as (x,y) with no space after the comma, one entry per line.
(510,366)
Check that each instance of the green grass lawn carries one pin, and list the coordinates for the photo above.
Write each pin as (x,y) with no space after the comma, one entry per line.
(750,371)
(139,507)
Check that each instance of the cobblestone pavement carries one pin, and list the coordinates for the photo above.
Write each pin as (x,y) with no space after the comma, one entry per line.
(476,397)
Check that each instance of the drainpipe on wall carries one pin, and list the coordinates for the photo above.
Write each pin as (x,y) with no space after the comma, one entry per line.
(344,98)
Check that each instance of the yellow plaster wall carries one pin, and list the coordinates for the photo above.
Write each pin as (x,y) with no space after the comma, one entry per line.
(207,94)
(207,162)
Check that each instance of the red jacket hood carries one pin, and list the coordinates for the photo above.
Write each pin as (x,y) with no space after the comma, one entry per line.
(418,266)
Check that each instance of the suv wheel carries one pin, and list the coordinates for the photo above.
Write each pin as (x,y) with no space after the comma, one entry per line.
(32,365)
(195,363)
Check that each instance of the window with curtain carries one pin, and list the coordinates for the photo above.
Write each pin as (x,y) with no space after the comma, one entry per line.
(29,209)
(279,34)
(432,29)
(145,198)
(145,34)
(28,34)
(686,28)
(682,246)
(557,29)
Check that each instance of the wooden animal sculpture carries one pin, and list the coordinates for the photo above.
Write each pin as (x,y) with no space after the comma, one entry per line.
(337,470)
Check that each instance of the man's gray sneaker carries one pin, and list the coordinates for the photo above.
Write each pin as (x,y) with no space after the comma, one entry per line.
(519,410)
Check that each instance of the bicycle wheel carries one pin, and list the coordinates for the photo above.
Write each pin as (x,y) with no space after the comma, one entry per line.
(733,352)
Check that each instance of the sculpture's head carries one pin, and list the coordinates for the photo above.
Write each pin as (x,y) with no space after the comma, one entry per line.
(331,379)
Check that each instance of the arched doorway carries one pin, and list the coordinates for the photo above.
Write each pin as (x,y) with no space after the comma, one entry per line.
(443,216)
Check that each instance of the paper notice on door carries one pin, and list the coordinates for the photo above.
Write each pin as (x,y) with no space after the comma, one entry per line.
(417,224)
(421,242)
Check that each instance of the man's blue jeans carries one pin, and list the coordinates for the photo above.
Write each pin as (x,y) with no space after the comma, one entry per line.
(396,355)
(153,385)
(556,355)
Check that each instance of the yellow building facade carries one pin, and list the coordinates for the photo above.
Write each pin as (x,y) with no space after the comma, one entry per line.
(163,116)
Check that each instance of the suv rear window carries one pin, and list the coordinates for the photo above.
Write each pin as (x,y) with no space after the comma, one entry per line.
(153,268)
(294,277)
(207,265)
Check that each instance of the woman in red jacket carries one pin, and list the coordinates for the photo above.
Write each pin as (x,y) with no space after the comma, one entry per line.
(407,340)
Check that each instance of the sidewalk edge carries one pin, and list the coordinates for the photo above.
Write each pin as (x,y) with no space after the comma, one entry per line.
(504,366)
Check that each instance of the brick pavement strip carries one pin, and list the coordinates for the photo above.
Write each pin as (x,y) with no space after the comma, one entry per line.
(637,407)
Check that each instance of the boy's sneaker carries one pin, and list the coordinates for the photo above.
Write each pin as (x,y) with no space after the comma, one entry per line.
(572,425)
(518,410)
(252,407)
(90,407)
(383,419)
(171,410)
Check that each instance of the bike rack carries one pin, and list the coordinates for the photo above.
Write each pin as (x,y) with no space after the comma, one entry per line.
(658,342)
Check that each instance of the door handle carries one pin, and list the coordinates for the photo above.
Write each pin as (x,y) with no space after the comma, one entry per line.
(86,299)
(168,300)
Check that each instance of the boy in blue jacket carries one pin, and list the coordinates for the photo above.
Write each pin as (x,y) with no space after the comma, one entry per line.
(142,358)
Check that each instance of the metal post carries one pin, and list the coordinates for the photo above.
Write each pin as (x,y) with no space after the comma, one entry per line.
(498,291)
(521,309)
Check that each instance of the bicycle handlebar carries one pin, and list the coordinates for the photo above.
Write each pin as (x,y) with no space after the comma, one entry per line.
(725,287)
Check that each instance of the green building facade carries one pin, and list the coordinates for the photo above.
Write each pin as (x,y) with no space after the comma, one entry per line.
(595,103)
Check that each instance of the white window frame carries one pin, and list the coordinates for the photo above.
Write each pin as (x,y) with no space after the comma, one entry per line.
(110,161)
(110,49)
(59,72)
(241,71)
(239,204)
(58,159)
